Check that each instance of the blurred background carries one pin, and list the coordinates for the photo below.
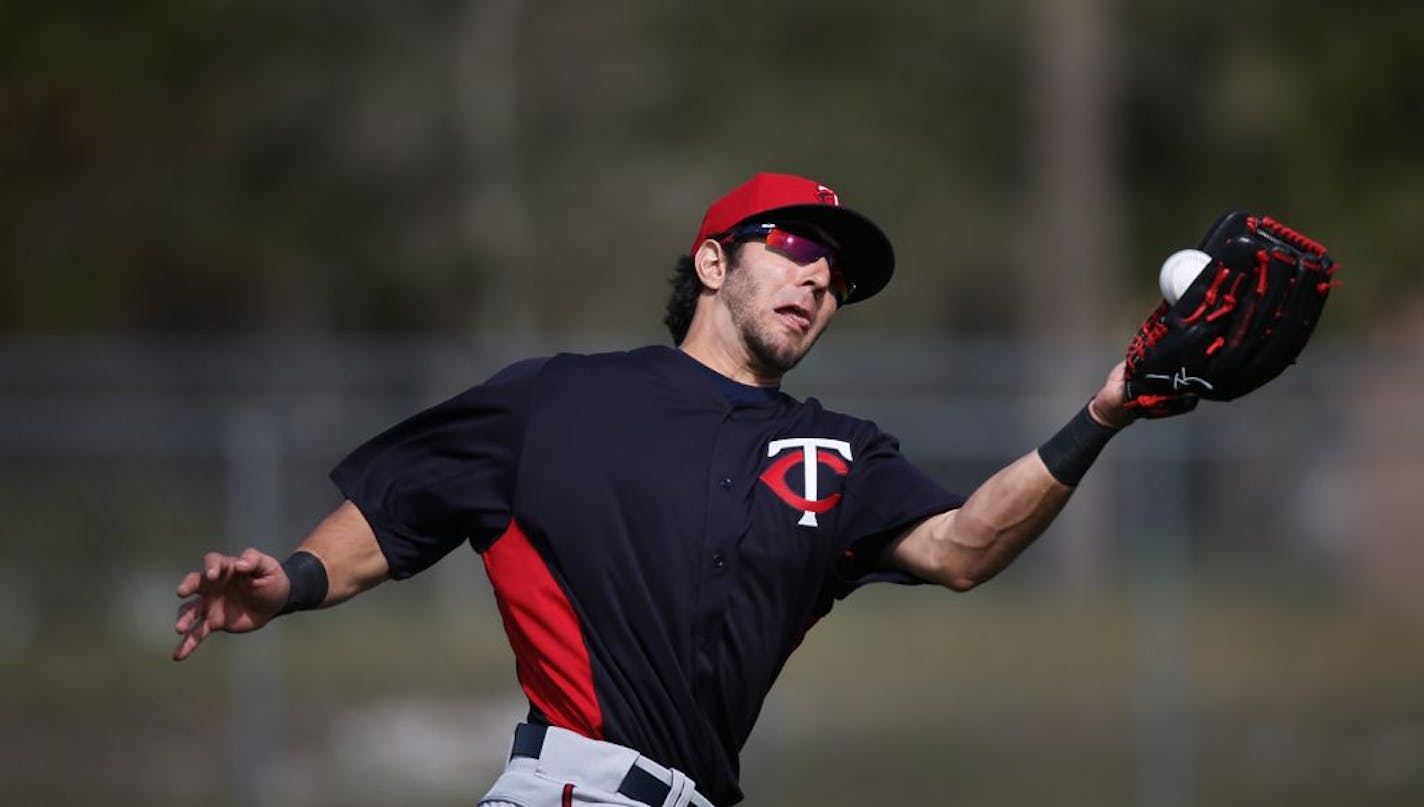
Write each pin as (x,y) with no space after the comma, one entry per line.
(237,238)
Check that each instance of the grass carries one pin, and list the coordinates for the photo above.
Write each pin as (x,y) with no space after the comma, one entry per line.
(999,697)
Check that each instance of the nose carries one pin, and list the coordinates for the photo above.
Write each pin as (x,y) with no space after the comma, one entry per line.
(816,274)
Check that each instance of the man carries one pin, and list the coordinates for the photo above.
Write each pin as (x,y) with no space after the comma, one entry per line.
(661,527)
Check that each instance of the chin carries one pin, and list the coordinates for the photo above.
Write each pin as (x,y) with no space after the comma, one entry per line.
(778,355)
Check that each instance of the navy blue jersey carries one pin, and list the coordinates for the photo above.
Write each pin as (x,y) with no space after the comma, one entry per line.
(657,546)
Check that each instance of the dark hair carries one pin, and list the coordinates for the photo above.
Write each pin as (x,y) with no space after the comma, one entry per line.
(686,288)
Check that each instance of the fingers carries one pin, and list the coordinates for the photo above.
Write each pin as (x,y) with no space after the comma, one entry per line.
(196,619)
(217,567)
(200,615)
(256,563)
(190,641)
(249,561)
(189,613)
(188,586)
(218,570)
(193,625)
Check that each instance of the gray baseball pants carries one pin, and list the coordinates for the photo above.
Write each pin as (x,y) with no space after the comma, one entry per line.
(553,767)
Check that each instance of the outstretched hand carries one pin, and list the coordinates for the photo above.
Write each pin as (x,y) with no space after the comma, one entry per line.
(235,594)
(1109,407)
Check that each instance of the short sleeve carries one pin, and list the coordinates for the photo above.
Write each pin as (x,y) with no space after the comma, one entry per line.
(445,475)
(885,495)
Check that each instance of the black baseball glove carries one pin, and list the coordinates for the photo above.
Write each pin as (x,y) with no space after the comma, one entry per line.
(1238,325)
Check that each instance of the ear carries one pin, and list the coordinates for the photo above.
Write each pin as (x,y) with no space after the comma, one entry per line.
(710,261)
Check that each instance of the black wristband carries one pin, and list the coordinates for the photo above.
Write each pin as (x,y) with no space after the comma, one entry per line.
(307,575)
(1071,452)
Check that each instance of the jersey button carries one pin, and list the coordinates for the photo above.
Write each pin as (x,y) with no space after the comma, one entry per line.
(718,561)
(725,482)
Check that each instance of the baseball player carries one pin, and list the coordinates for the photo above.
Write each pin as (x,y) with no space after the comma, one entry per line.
(662,526)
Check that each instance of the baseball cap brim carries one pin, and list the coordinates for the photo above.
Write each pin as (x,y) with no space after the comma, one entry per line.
(865,254)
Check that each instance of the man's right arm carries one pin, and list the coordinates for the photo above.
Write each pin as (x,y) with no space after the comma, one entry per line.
(241,593)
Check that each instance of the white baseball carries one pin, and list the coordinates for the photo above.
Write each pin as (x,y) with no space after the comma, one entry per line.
(1178,272)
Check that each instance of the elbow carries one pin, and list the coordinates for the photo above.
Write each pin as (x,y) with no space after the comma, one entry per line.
(962,583)
(961,554)
(967,568)
(961,576)
(972,555)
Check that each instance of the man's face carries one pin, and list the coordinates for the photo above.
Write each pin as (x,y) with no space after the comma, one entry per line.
(778,306)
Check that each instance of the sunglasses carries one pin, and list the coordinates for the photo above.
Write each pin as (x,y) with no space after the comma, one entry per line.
(799,248)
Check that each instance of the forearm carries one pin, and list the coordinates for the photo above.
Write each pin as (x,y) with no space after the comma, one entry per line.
(997,523)
(347,548)
(965,547)
(1010,510)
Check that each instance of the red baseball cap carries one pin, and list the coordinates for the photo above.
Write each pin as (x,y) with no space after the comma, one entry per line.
(865,254)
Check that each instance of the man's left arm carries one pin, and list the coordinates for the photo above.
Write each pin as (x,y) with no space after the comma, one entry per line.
(964,547)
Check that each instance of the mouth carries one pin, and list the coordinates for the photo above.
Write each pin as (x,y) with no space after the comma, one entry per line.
(796,317)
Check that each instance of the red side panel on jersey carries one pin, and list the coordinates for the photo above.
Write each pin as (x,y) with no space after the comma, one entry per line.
(549,650)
